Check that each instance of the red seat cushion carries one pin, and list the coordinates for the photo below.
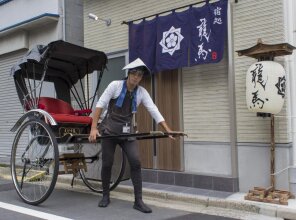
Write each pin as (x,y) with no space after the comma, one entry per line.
(82,112)
(62,111)
(66,118)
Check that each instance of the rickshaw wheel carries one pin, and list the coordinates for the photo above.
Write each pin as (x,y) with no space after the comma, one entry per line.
(34,161)
(92,176)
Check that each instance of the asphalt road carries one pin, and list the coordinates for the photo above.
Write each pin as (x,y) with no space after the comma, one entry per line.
(64,205)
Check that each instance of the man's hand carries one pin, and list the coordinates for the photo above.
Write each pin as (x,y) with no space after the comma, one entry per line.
(94,133)
(176,134)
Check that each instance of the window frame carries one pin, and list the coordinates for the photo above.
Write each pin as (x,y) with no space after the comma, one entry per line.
(109,56)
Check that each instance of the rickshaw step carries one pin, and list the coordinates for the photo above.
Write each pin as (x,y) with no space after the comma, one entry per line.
(72,162)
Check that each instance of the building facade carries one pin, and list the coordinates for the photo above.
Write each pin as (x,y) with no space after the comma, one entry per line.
(25,24)
(228,147)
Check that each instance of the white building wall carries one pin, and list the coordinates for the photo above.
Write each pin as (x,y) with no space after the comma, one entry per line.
(43,35)
(206,116)
(15,12)
(265,20)
(18,33)
(289,11)
(207,121)
(205,87)
(21,32)
(205,102)
(11,108)
(115,37)
(251,21)
(17,41)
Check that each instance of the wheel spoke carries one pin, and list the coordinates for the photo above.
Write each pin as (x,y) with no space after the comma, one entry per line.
(92,177)
(34,161)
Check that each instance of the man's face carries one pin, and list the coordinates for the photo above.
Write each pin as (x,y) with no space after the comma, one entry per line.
(135,76)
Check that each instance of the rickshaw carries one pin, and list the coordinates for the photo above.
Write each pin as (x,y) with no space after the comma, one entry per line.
(52,134)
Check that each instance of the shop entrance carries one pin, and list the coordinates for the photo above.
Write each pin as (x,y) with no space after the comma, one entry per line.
(164,154)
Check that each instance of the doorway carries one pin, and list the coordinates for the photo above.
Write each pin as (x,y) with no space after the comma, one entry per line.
(164,154)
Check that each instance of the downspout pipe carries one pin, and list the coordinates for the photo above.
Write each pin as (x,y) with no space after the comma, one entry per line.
(290,72)
(231,92)
(64,20)
(288,12)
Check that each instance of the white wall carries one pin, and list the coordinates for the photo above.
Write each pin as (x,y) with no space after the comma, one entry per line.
(44,35)
(13,45)
(254,166)
(208,158)
(10,12)
(253,20)
(115,37)
(290,17)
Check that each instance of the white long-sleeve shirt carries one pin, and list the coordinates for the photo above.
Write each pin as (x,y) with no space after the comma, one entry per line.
(113,91)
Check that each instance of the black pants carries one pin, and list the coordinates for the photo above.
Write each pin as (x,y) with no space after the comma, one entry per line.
(132,152)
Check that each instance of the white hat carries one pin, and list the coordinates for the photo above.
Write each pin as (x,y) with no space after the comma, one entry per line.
(137,63)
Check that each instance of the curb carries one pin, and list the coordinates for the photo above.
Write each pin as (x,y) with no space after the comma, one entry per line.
(198,201)
(187,201)
(191,202)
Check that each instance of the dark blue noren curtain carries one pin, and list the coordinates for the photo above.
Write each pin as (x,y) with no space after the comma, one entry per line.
(208,31)
(173,34)
(188,38)
(142,40)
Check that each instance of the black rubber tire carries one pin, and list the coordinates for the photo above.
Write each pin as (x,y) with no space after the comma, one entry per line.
(94,184)
(34,138)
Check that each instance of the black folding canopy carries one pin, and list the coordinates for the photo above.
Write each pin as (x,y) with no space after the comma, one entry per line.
(66,60)
(59,62)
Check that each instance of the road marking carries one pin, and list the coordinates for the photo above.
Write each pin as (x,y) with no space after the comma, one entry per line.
(31,212)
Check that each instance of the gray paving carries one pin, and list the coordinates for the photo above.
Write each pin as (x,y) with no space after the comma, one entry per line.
(5,186)
(217,202)
(72,202)
(81,206)
(6,214)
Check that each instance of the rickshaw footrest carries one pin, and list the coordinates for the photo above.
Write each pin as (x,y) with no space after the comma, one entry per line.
(73,162)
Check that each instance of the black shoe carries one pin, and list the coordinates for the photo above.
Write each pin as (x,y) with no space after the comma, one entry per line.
(140,205)
(104,201)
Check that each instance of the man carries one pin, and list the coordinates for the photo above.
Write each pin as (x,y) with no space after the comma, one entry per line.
(122,99)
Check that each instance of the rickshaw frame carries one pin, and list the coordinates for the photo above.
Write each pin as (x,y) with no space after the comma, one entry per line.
(65,65)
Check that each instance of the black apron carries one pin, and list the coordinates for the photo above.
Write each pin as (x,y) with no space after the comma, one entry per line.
(118,117)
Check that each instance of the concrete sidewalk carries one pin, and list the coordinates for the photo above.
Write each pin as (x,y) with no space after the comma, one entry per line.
(204,201)
(201,198)
(189,199)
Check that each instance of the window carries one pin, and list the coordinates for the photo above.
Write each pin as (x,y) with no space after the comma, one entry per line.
(113,72)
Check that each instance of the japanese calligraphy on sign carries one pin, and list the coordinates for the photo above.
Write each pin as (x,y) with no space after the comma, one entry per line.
(265,87)
(186,38)
(207,38)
